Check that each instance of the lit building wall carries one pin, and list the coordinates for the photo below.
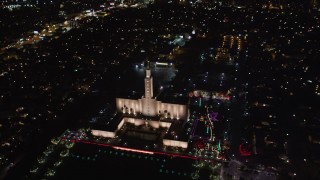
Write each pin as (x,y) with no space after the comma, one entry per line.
(120,124)
(139,122)
(103,133)
(181,144)
(165,124)
(129,120)
(149,107)
(152,107)
(177,111)
(154,124)
(130,106)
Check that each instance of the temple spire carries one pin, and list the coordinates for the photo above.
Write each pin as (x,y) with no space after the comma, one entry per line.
(148,64)
(148,71)
(148,83)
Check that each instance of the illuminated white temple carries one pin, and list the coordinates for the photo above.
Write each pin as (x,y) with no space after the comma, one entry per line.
(148,111)
(149,106)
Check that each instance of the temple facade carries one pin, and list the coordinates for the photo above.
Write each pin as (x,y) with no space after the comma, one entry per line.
(147,111)
(149,106)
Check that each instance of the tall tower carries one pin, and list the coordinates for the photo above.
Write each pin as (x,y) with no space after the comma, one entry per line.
(148,83)
(149,104)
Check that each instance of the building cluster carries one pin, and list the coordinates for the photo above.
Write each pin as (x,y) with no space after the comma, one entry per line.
(240,79)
